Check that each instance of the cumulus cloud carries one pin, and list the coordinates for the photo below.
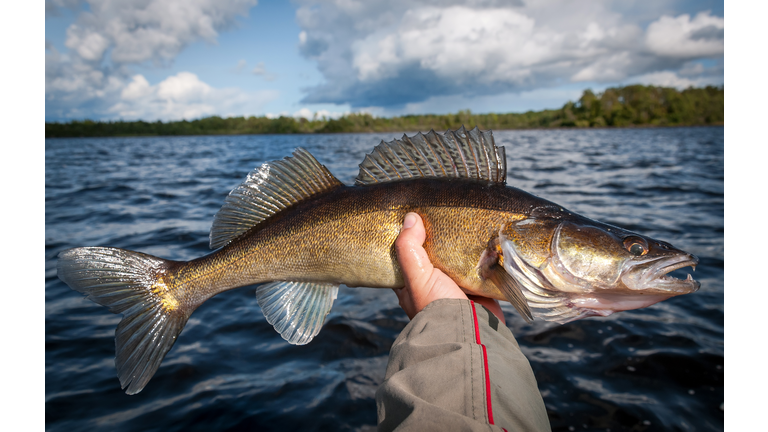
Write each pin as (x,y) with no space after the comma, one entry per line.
(95,75)
(184,96)
(683,37)
(157,30)
(456,42)
(394,53)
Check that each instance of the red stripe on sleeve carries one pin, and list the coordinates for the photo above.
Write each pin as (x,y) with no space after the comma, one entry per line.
(485,366)
(477,326)
(487,385)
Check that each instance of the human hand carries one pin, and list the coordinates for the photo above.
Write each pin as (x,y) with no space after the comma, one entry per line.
(423,282)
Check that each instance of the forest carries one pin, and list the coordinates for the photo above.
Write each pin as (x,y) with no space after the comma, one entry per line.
(628,106)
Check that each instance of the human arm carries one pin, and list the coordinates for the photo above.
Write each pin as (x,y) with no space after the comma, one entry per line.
(454,366)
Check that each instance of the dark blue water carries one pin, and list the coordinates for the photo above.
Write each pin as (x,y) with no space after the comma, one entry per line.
(659,368)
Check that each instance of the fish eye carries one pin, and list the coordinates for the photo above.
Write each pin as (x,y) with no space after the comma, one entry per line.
(636,246)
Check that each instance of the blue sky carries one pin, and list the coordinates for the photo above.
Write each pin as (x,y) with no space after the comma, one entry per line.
(175,59)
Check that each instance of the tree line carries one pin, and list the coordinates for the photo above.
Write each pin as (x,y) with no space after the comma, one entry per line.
(634,105)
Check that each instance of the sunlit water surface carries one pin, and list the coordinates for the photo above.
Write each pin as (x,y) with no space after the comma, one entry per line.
(659,368)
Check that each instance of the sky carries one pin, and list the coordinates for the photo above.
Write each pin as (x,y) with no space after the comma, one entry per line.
(187,59)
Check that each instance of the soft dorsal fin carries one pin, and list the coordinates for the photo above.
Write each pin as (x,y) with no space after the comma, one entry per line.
(267,190)
(463,154)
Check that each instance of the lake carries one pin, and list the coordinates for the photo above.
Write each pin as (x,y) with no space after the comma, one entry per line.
(659,368)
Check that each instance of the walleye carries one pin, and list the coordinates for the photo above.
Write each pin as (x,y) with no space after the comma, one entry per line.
(292,227)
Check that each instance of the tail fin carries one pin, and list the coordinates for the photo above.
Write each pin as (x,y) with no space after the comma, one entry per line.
(135,285)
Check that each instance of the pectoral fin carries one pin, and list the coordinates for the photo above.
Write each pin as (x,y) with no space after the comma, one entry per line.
(512,291)
(491,269)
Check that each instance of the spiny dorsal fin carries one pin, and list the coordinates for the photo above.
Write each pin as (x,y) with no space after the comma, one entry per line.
(267,190)
(462,154)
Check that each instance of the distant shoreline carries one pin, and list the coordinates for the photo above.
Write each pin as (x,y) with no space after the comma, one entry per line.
(621,107)
(646,126)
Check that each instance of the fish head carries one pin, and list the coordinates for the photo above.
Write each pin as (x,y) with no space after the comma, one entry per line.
(574,267)
(601,257)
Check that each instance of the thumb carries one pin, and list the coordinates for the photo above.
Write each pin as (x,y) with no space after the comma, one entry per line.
(412,257)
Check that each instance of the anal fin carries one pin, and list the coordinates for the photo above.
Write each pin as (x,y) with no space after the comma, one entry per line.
(296,310)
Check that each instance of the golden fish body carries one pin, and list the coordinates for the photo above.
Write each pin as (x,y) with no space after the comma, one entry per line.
(297,231)
(347,237)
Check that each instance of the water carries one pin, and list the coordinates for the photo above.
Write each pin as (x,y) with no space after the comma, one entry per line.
(659,368)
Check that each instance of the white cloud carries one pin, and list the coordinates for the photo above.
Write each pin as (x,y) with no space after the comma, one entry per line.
(673,79)
(435,39)
(609,68)
(137,89)
(274,116)
(183,87)
(665,79)
(304,112)
(141,30)
(71,81)
(317,115)
(88,44)
(682,37)
(394,53)
(184,96)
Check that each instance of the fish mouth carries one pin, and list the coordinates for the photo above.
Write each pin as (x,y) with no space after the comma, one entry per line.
(652,277)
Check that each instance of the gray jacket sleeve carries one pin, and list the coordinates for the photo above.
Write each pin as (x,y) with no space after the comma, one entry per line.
(456,367)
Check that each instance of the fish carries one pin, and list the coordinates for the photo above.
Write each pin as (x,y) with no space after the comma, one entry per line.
(296,232)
